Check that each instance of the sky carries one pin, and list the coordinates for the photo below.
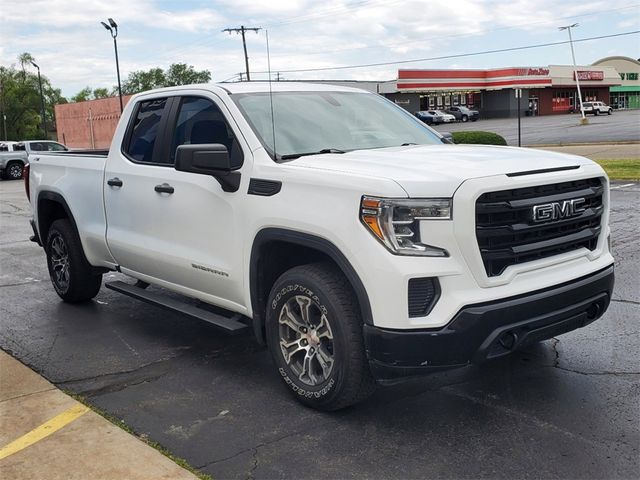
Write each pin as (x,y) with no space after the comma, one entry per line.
(75,51)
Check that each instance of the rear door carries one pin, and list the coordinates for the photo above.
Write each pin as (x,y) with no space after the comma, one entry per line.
(177,229)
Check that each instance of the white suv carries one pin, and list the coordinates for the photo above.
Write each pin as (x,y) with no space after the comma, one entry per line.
(596,108)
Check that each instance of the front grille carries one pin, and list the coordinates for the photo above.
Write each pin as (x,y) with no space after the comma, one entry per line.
(423,295)
(507,234)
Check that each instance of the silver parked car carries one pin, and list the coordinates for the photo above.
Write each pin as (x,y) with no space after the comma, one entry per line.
(14,155)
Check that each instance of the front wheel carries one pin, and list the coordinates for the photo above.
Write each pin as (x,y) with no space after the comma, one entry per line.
(314,333)
(71,275)
(596,112)
(609,112)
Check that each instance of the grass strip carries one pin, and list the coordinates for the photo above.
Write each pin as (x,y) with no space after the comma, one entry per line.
(621,169)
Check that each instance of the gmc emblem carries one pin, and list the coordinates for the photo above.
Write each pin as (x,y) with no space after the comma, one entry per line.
(558,210)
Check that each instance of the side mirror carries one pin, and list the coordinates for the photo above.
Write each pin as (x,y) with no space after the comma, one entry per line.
(208,159)
(446,137)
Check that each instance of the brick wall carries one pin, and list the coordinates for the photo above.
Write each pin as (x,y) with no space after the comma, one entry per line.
(89,124)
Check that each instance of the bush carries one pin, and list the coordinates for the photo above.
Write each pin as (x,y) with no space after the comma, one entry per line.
(484,138)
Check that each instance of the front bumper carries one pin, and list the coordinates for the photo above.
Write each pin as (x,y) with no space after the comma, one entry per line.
(488,330)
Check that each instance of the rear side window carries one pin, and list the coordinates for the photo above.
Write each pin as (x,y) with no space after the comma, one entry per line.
(145,130)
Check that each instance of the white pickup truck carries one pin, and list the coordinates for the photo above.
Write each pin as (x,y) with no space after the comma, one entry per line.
(354,241)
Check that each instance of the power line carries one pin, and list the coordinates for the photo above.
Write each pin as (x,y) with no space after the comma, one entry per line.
(241,30)
(459,55)
(458,35)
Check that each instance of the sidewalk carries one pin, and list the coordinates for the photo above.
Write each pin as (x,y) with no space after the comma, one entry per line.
(44,433)
(598,151)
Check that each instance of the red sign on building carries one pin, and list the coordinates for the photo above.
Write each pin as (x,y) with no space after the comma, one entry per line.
(589,75)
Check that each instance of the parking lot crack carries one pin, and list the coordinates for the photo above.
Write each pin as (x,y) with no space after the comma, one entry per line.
(115,382)
(254,449)
(621,300)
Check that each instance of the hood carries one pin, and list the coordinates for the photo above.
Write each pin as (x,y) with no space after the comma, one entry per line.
(438,170)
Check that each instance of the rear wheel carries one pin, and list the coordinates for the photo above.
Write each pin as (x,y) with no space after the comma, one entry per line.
(609,112)
(596,112)
(71,275)
(465,118)
(13,171)
(314,332)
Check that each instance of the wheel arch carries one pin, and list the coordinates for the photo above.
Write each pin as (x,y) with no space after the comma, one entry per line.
(51,207)
(301,248)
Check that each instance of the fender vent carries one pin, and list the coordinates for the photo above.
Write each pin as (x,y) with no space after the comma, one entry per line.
(423,295)
(264,188)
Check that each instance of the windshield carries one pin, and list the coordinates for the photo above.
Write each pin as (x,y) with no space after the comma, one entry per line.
(308,122)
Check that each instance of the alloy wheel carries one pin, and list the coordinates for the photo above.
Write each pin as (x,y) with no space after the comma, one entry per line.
(306,340)
(60,262)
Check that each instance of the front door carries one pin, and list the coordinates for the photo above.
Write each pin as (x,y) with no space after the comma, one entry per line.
(177,229)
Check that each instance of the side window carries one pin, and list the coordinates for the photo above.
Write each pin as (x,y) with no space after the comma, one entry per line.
(55,147)
(145,129)
(38,147)
(201,121)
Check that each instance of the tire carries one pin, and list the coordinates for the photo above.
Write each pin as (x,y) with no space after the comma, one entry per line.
(71,275)
(464,118)
(13,171)
(324,364)
(596,112)
(609,112)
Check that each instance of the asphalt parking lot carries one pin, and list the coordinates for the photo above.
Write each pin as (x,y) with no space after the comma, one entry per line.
(621,126)
(565,408)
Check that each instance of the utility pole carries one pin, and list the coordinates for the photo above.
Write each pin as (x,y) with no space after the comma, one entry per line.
(518,96)
(278,77)
(568,28)
(241,30)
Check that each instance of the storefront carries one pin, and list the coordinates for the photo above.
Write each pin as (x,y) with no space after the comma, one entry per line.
(627,94)
(545,90)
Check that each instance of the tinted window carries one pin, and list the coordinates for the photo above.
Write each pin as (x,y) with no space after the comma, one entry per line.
(56,147)
(201,121)
(145,130)
(38,147)
(19,147)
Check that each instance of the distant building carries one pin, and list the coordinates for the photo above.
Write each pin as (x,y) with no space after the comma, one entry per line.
(627,94)
(545,90)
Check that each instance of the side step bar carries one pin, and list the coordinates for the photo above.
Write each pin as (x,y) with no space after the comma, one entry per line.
(231,326)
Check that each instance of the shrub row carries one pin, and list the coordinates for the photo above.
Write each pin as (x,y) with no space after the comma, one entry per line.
(484,138)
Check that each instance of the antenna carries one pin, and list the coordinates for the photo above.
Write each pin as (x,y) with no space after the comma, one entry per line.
(273,121)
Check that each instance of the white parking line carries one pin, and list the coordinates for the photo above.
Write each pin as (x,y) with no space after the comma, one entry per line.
(622,186)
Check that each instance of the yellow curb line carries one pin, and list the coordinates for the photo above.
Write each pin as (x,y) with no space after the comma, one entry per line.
(44,430)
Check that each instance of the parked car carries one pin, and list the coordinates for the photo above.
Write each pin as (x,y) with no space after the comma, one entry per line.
(446,117)
(463,114)
(361,252)
(16,155)
(428,117)
(596,108)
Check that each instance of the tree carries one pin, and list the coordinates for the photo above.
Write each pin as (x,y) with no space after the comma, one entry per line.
(20,100)
(83,95)
(141,80)
(183,74)
(100,93)
(176,74)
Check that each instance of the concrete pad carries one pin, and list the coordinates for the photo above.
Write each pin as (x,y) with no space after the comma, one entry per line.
(20,415)
(87,447)
(91,447)
(17,380)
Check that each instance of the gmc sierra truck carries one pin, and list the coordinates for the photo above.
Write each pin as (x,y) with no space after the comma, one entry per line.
(354,241)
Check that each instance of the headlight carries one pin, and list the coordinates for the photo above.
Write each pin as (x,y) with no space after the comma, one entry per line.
(396,222)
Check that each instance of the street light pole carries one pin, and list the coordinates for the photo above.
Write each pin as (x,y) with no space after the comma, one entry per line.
(568,28)
(113,30)
(44,121)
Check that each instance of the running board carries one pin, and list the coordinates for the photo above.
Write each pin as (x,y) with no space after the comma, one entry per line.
(231,325)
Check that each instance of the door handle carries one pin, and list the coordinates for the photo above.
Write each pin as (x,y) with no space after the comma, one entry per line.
(114,182)
(164,188)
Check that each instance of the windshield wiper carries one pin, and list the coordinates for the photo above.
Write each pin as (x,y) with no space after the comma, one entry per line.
(319,152)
